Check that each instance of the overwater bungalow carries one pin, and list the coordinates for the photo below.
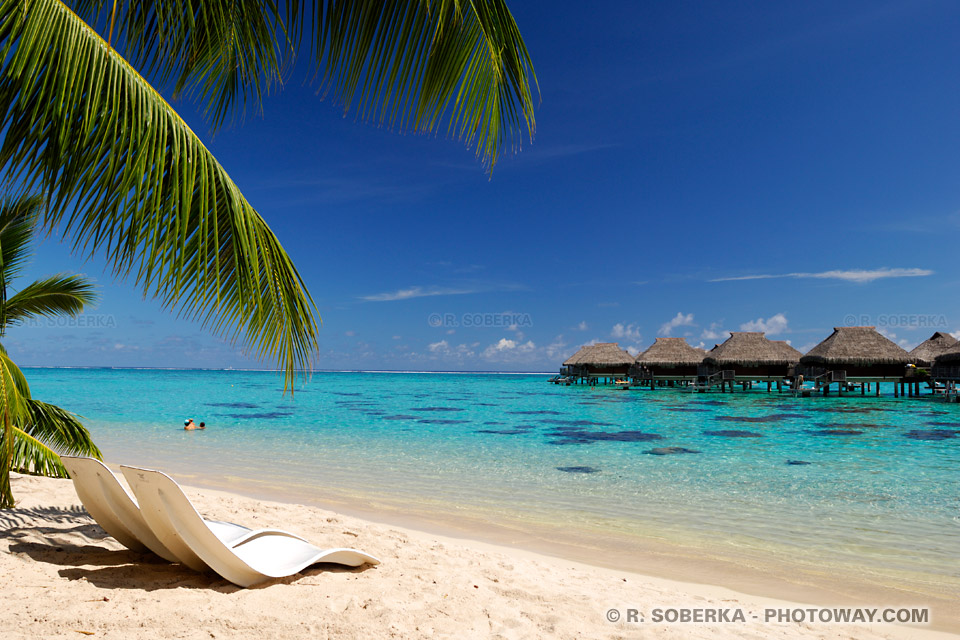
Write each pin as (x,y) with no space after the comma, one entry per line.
(668,360)
(946,367)
(746,357)
(925,353)
(604,361)
(855,355)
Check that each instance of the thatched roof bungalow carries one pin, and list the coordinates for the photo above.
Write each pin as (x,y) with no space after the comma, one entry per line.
(860,351)
(925,353)
(751,355)
(601,359)
(670,359)
(947,364)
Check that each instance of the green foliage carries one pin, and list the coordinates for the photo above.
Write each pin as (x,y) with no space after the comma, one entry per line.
(405,63)
(33,433)
(124,177)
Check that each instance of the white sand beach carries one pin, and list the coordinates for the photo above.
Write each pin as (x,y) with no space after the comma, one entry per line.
(62,577)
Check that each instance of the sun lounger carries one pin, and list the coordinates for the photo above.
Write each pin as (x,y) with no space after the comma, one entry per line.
(112,506)
(270,554)
(117,512)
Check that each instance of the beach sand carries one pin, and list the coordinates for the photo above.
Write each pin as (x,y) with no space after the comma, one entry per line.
(62,577)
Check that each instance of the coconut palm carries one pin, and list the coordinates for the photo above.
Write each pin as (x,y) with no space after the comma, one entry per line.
(127,179)
(33,432)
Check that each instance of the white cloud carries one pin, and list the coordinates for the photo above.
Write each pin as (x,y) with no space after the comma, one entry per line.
(714,333)
(507,348)
(556,349)
(771,326)
(678,320)
(630,331)
(415,292)
(349,334)
(426,292)
(582,326)
(859,276)
(444,350)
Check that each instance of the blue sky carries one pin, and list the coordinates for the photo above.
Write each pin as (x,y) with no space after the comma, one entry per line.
(697,168)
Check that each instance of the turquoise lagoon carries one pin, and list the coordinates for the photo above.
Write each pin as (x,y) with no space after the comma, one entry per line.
(879,499)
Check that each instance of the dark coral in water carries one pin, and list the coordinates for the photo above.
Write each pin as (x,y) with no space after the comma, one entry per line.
(733,433)
(666,451)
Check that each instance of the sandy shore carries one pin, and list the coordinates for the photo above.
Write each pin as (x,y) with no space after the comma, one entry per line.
(62,577)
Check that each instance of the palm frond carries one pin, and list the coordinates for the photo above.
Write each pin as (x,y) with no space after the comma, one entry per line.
(409,64)
(18,216)
(59,295)
(225,51)
(127,178)
(49,432)
(19,213)
(13,395)
(18,391)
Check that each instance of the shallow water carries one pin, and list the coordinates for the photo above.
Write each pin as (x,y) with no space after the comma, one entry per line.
(880,495)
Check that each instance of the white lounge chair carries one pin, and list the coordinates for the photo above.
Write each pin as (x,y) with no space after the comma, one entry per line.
(271,554)
(117,512)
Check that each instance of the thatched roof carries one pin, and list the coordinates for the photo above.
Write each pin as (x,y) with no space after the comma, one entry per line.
(751,349)
(949,355)
(927,351)
(670,352)
(856,346)
(604,354)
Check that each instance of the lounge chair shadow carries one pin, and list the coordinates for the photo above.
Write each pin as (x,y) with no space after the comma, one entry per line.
(160,576)
(314,570)
(73,555)
(149,577)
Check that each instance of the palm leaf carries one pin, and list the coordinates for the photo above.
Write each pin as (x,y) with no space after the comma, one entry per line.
(126,177)
(49,432)
(59,295)
(409,64)
(224,50)
(14,393)
(18,217)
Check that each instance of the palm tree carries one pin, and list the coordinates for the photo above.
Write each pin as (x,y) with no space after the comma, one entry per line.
(126,178)
(33,431)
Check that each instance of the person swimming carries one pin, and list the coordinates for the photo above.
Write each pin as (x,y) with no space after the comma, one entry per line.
(190,425)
